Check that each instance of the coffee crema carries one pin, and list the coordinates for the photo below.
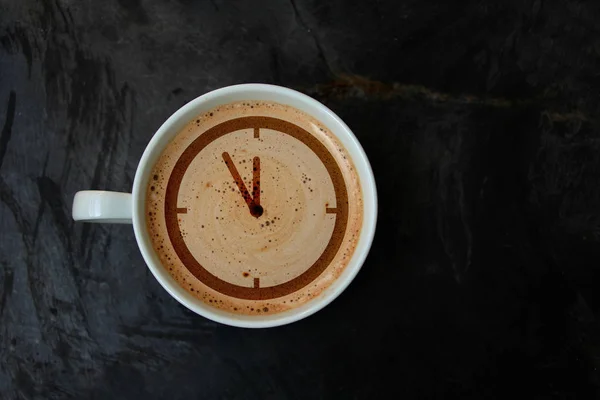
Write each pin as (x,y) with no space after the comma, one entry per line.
(254,207)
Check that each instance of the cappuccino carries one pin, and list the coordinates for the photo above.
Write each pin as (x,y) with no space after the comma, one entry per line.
(254,207)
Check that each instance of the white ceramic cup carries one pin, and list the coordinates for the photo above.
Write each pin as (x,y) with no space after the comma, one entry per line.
(114,207)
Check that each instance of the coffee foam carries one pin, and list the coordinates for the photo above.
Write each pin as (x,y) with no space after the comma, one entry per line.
(297,194)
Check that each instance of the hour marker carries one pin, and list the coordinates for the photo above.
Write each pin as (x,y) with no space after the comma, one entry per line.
(256,133)
(256,283)
(331,210)
(181,210)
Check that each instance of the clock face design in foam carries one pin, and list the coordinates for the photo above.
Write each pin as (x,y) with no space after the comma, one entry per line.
(258,189)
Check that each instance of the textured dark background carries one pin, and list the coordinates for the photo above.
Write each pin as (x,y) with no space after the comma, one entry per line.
(480,120)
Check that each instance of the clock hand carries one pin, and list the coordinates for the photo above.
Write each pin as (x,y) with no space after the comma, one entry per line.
(256,181)
(253,201)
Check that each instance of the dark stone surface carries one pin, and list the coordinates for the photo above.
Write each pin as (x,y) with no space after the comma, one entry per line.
(480,120)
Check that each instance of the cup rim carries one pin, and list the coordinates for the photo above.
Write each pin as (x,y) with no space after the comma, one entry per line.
(367,184)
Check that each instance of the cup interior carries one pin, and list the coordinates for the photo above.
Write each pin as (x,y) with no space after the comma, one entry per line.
(180,119)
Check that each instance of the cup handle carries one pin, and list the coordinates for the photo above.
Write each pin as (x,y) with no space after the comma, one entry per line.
(102,206)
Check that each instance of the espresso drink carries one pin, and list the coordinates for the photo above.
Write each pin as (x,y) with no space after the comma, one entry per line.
(254,208)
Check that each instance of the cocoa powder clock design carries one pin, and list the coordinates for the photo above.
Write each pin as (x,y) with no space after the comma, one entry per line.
(252,198)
